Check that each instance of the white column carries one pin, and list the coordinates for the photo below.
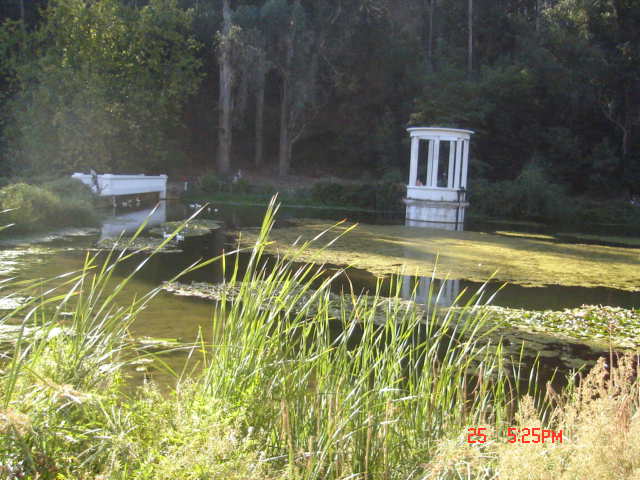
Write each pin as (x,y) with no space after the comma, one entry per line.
(452,157)
(456,175)
(433,181)
(413,167)
(465,165)
(427,181)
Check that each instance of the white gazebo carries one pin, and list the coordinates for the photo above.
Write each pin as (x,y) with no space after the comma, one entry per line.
(436,193)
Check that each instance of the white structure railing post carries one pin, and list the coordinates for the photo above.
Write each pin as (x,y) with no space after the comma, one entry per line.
(452,159)
(415,148)
(456,175)
(433,182)
(465,164)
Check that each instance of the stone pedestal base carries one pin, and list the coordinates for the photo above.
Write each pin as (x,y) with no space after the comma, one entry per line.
(433,214)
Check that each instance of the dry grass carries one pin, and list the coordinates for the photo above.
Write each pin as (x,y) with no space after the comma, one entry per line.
(600,421)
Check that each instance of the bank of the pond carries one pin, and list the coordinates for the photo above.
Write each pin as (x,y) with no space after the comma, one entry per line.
(523,260)
(52,205)
(512,201)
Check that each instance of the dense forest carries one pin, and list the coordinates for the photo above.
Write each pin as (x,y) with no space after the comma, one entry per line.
(324,86)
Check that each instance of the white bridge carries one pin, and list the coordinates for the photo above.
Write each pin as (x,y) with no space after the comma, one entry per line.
(109,185)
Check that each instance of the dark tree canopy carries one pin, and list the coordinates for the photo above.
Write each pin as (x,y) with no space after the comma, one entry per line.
(323,86)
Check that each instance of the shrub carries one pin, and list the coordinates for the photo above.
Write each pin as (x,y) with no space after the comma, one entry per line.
(530,196)
(67,187)
(36,208)
(389,195)
(241,186)
(393,176)
(326,192)
(31,207)
(210,183)
(375,196)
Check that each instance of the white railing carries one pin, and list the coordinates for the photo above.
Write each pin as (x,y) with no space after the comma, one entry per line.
(109,185)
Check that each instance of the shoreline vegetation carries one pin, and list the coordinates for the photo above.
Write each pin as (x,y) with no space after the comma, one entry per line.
(280,393)
(531,202)
(55,204)
(65,202)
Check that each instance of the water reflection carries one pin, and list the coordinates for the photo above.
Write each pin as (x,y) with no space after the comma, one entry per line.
(129,222)
(432,290)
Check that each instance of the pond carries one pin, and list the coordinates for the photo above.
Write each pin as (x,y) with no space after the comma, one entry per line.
(183,317)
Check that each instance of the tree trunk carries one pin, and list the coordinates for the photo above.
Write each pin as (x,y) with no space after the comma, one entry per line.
(284,153)
(470,39)
(284,161)
(432,6)
(225,100)
(259,120)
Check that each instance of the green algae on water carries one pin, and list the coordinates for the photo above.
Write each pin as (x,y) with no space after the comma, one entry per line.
(194,228)
(139,243)
(526,261)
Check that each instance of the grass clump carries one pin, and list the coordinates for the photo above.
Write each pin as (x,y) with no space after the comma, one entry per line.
(62,203)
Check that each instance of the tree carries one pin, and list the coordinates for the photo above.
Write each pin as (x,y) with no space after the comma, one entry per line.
(105,88)
(298,37)
(611,29)
(225,94)
(470,38)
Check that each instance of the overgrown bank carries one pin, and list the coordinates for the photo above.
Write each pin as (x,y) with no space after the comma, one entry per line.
(278,395)
(51,205)
(531,196)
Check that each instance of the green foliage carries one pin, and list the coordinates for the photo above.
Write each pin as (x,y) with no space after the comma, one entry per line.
(36,208)
(530,196)
(241,186)
(107,84)
(210,183)
(105,89)
(32,207)
(71,188)
(384,196)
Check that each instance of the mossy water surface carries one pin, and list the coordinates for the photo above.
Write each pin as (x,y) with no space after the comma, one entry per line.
(522,260)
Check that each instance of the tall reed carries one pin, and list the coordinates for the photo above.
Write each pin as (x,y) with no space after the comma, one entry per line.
(351,386)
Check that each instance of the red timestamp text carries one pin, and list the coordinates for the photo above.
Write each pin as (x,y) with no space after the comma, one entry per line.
(517,435)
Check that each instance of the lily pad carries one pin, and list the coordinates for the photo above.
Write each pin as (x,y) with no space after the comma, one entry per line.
(590,324)
(194,228)
(140,243)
